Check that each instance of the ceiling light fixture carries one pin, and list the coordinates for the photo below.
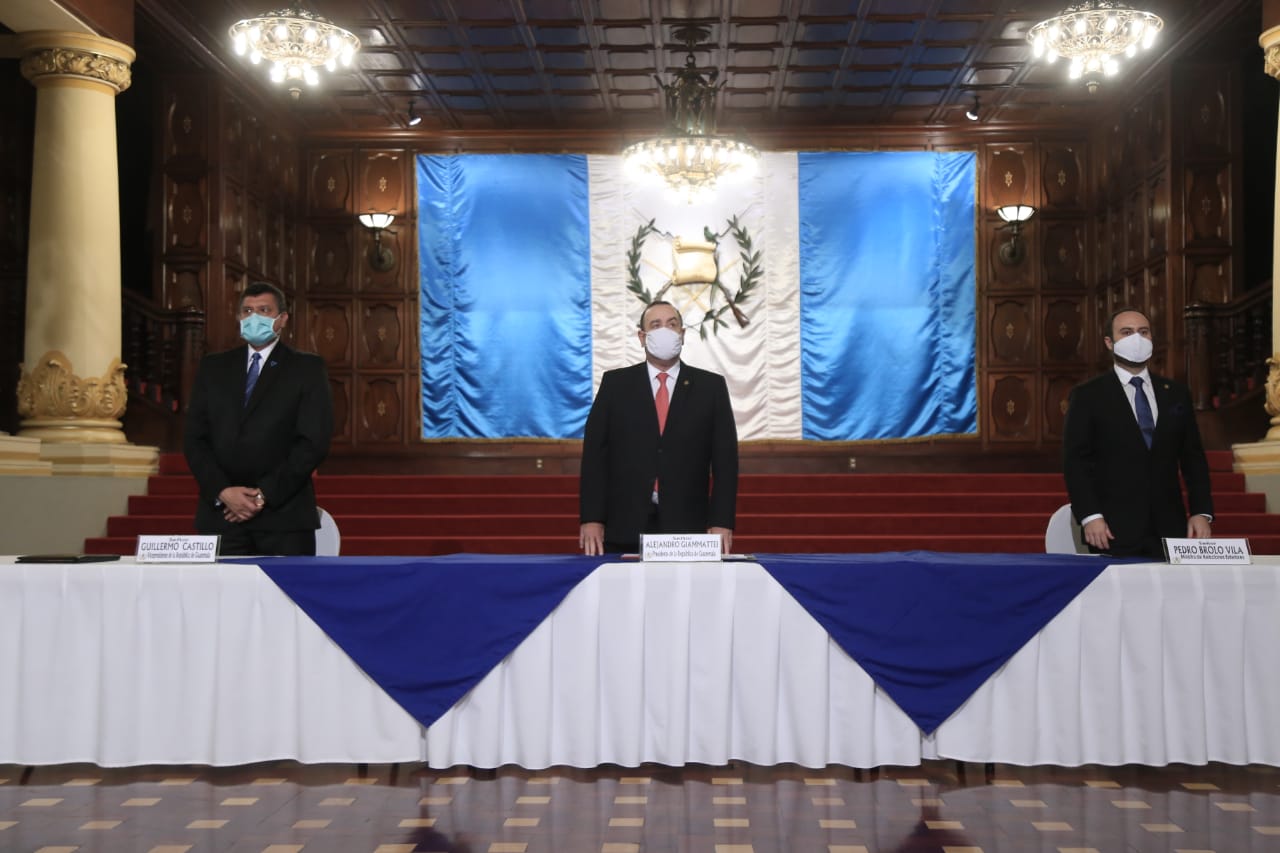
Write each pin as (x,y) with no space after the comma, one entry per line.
(296,42)
(691,158)
(414,118)
(972,113)
(1093,35)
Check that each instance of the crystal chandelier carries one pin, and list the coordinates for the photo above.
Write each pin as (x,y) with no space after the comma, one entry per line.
(296,42)
(690,158)
(1093,35)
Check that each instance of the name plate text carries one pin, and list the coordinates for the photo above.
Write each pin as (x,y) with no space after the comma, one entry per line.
(680,548)
(177,549)
(1232,552)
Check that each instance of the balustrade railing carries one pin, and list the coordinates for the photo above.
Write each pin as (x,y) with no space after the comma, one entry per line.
(162,350)
(1227,347)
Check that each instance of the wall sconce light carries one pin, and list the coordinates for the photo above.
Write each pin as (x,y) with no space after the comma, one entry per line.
(382,259)
(414,118)
(1012,252)
(973,112)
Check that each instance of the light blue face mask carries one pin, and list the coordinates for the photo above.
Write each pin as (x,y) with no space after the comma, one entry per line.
(257,329)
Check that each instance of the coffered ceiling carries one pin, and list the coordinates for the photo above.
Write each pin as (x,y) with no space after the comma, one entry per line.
(575,65)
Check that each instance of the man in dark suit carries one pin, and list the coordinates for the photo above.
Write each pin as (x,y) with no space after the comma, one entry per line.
(258,425)
(660,450)
(1127,436)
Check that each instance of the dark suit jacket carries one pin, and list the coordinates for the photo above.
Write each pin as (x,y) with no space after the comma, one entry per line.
(695,458)
(1109,469)
(274,442)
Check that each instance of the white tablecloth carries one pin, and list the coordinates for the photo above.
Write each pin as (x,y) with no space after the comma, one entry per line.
(122,664)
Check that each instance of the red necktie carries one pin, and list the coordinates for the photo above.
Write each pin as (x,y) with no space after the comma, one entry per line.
(662,401)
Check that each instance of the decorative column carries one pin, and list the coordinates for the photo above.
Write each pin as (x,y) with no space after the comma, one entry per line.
(72,385)
(1260,461)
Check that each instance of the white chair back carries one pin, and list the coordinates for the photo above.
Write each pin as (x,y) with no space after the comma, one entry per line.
(328,539)
(1062,536)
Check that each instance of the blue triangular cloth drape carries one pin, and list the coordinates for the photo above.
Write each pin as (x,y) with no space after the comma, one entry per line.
(427,629)
(931,628)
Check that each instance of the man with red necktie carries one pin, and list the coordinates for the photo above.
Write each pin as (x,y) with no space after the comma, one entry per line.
(660,449)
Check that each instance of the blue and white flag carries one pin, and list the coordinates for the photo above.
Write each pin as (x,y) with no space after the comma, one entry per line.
(835,291)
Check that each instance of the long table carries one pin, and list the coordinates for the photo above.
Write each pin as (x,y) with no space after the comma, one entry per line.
(124,664)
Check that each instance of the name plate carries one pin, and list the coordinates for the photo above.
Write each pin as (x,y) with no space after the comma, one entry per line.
(177,549)
(680,548)
(1230,552)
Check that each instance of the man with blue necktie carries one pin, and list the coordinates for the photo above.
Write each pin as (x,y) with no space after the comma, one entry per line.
(258,425)
(1128,435)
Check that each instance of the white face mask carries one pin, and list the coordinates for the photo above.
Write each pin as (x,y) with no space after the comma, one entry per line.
(1133,348)
(663,344)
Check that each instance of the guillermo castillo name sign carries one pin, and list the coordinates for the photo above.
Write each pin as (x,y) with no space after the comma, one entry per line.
(177,549)
(1229,552)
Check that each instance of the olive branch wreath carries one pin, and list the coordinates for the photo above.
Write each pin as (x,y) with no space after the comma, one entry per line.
(752,273)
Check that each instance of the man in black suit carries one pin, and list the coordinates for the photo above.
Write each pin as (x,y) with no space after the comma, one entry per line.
(258,425)
(1126,437)
(660,450)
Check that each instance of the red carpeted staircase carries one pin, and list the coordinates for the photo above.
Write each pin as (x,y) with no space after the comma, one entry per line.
(777,513)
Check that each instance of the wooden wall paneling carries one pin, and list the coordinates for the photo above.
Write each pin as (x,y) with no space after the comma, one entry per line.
(1210,278)
(1057,393)
(256,178)
(1135,231)
(1009,407)
(380,419)
(232,143)
(383,181)
(1011,331)
(273,237)
(186,125)
(184,283)
(234,207)
(1064,260)
(255,228)
(1134,155)
(1156,123)
(289,254)
(1113,228)
(1111,178)
(329,332)
(1158,214)
(1061,179)
(340,390)
(1009,170)
(329,256)
(1016,276)
(1064,330)
(381,334)
(1207,214)
(1154,299)
(1205,97)
(186,215)
(329,183)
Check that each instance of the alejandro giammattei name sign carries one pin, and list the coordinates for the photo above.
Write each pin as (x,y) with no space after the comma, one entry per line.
(1232,552)
(680,548)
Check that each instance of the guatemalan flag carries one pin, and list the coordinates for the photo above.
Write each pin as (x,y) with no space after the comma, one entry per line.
(835,291)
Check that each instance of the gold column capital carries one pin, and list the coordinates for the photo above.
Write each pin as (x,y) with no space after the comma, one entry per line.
(1270,41)
(57,405)
(53,58)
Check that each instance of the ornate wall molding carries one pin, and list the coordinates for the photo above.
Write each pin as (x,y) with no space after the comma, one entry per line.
(53,390)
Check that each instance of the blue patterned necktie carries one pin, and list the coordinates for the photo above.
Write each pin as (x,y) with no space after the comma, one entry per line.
(1142,406)
(252,378)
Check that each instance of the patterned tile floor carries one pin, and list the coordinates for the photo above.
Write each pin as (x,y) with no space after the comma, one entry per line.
(284,807)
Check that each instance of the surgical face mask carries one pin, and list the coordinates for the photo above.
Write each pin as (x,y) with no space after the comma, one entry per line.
(663,344)
(1133,348)
(258,329)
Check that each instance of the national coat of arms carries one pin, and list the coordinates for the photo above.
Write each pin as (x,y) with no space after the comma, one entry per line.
(693,280)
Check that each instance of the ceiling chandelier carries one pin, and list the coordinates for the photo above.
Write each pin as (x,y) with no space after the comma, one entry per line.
(296,42)
(691,158)
(1093,35)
